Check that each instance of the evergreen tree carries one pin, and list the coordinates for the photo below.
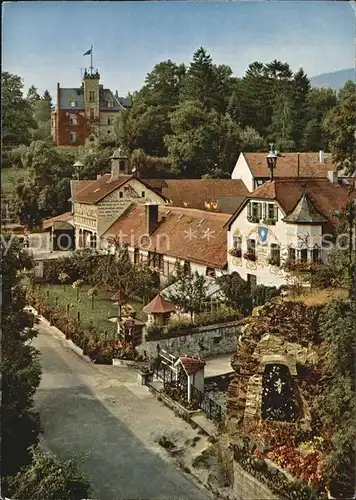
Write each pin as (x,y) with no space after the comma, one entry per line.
(340,125)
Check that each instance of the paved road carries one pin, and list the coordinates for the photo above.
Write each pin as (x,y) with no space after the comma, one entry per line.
(100,411)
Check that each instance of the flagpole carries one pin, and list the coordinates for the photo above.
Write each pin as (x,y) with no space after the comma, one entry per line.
(91,59)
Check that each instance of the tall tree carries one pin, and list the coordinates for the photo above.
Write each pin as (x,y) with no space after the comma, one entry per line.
(16,111)
(19,365)
(189,291)
(281,128)
(193,144)
(340,125)
(206,82)
(32,97)
(146,123)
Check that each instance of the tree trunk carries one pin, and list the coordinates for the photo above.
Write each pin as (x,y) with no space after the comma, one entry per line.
(77,293)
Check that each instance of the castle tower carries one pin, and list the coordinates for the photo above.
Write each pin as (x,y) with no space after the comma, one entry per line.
(92,99)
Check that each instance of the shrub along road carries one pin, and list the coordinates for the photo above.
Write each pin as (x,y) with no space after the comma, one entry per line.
(100,413)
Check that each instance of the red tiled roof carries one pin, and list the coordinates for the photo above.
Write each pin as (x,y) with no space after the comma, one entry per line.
(96,190)
(198,193)
(325,196)
(309,165)
(66,217)
(76,186)
(191,364)
(159,306)
(179,234)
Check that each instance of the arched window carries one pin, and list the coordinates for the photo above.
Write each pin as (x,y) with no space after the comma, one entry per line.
(280,399)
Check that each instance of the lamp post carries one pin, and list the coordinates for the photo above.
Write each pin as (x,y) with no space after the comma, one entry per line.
(271,161)
(78,165)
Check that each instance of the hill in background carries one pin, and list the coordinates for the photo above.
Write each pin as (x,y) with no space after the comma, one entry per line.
(335,80)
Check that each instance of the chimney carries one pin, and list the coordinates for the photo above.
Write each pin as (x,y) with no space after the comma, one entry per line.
(116,94)
(333,176)
(151,216)
(321,156)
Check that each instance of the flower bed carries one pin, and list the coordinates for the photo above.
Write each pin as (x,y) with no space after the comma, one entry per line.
(280,483)
(98,347)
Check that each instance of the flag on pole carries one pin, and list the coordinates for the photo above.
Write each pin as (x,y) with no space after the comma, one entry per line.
(87,53)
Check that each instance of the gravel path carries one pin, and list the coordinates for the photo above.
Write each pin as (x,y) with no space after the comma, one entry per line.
(100,413)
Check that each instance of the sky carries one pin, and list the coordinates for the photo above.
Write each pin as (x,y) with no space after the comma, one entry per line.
(44,42)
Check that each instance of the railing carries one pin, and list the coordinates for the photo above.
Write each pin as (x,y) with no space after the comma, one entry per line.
(211,408)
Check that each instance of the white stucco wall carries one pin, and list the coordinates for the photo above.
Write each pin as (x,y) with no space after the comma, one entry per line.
(242,171)
(285,235)
(169,262)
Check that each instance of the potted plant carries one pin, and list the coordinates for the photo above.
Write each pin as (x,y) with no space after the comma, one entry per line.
(250,256)
(235,252)
(274,261)
(253,218)
(269,222)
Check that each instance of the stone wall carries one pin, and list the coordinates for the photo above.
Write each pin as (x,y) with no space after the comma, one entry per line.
(205,341)
(243,485)
(247,487)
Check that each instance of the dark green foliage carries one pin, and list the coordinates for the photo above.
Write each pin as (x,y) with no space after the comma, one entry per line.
(20,367)
(190,290)
(337,405)
(16,112)
(236,291)
(49,479)
(340,126)
(262,294)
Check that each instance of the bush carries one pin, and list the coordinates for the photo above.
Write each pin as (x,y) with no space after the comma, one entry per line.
(262,294)
(222,315)
(154,333)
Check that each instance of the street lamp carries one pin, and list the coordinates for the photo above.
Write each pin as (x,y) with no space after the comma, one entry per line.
(271,162)
(78,167)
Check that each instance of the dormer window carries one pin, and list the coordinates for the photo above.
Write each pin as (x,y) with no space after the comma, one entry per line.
(270,213)
(73,104)
(110,104)
(254,211)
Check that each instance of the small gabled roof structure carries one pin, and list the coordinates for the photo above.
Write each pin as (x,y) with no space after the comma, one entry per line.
(159,305)
(190,364)
(305,212)
(63,221)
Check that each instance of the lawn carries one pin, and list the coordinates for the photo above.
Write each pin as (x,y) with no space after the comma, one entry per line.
(103,307)
(9,178)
